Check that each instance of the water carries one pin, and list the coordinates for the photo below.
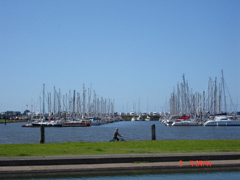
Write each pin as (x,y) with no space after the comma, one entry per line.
(163,176)
(13,133)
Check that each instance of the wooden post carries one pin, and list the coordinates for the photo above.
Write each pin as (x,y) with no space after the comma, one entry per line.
(42,134)
(153,132)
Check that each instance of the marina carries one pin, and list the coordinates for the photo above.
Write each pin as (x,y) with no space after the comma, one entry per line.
(218,120)
(202,105)
(160,76)
(87,108)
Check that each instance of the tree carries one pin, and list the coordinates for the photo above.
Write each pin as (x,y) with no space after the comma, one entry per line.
(26,112)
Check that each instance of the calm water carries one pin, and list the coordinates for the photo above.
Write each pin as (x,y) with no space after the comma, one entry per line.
(13,133)
(166,176)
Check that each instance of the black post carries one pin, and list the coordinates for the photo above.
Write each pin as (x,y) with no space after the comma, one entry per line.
(5,122)
(153,132)
(42,134)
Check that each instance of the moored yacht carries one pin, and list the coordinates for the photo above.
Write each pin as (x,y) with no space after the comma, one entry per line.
(148,118)
(222,121)
(133,119)
(47,123)
(171,120)
(186,122)
(139,118)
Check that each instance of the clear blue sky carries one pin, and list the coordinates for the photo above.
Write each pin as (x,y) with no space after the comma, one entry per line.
(128,50)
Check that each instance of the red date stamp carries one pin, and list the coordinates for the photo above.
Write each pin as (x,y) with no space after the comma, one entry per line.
(197,163)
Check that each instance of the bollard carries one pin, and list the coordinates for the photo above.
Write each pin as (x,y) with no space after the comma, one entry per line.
(42,134)
(153,132)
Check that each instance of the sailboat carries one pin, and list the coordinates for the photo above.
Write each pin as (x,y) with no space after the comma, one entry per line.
(139,118)
(222,121)
(148,118)
(133,119)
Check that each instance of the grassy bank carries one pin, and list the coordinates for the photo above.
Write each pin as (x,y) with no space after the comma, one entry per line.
(128,147)
(11,121)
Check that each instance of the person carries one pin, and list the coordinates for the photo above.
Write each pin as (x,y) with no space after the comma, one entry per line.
(116,134)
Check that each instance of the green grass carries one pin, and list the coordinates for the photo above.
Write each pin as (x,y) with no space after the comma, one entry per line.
(128,147)
(9,121)
(3,120)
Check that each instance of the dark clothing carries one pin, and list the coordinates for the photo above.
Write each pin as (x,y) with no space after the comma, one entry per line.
(115,135)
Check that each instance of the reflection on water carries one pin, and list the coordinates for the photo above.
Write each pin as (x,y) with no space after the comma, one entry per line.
(13,133)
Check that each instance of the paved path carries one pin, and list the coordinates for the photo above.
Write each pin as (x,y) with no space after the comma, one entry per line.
(117,167)
(118,163)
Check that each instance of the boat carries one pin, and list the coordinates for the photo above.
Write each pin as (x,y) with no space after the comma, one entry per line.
(133,119)
(222,121)
(147,118)
(184,117)
(95,121)
(186,122)
(75,123)
(28,124)
(171,120)
(139,118)
(47,123)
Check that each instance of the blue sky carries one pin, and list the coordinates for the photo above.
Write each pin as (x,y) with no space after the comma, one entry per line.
(128,50)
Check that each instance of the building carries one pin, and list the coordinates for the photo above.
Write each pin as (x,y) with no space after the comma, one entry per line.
(10,114)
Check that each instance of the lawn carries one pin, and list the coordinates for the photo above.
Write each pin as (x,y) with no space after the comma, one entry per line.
(126,147)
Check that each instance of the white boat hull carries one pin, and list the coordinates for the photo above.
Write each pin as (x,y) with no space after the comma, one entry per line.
(222,123)
(186,122)
(47,124)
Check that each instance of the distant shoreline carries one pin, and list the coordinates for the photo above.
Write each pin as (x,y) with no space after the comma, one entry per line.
(2,121)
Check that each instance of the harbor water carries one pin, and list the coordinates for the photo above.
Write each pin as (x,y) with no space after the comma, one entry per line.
(13,133)
(233,175)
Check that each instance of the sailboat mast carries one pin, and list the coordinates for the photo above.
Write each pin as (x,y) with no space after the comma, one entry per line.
(73,112)
(224,96)
(54,100)
(43,99)
(59,102)
(215,96)
(84,100)
(220,99)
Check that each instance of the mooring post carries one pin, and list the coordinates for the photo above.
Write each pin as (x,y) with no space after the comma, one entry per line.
(153,132)
(42,134)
